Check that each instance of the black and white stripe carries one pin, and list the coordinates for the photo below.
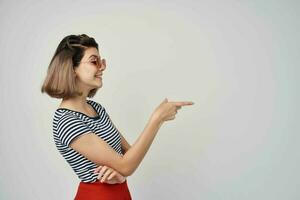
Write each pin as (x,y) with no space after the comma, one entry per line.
(69,124)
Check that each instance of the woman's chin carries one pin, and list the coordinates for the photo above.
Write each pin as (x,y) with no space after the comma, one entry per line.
(99,82)
(99,85)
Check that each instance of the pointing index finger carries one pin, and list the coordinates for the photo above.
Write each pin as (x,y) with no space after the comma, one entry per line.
(184,103)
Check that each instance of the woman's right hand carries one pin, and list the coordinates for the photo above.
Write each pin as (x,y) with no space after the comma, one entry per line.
(108,175)
(167,110)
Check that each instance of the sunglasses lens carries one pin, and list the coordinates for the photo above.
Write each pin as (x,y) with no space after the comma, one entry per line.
(97,62)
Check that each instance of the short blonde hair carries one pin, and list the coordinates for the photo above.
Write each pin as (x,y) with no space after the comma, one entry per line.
(60,79)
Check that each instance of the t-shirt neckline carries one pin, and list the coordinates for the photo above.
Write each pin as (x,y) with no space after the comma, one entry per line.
(91,117)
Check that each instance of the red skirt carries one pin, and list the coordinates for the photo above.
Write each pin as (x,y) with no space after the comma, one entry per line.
(102,191)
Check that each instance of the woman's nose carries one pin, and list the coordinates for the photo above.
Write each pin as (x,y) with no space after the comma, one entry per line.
(103,64)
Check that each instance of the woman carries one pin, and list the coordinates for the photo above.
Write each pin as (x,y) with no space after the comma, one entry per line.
(82,129)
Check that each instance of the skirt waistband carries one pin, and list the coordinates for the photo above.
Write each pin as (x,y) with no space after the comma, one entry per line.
(98,191)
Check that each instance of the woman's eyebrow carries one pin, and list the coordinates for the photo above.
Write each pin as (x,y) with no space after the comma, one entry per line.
(94,56)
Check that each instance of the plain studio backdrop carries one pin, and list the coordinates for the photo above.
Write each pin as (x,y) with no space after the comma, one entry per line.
(237,60)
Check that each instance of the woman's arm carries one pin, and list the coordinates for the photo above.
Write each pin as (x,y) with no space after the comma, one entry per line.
(99,152)
(115,176)
(107,172)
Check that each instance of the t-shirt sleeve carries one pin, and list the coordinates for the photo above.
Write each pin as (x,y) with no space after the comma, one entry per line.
(70,127)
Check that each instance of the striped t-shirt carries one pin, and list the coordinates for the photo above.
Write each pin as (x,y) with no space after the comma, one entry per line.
(69,124)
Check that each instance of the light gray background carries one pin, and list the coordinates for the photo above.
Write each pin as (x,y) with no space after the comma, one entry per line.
(237,60)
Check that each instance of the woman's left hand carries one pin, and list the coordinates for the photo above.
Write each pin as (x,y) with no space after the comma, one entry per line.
(109,175)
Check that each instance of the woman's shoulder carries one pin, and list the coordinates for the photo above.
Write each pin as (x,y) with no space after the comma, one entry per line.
(62,114)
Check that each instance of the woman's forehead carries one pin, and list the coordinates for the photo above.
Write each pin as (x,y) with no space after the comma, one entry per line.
(91,52)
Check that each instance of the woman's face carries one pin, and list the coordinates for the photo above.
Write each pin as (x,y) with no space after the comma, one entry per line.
(90,70)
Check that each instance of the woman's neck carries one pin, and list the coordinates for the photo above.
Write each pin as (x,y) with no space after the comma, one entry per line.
(78,103)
